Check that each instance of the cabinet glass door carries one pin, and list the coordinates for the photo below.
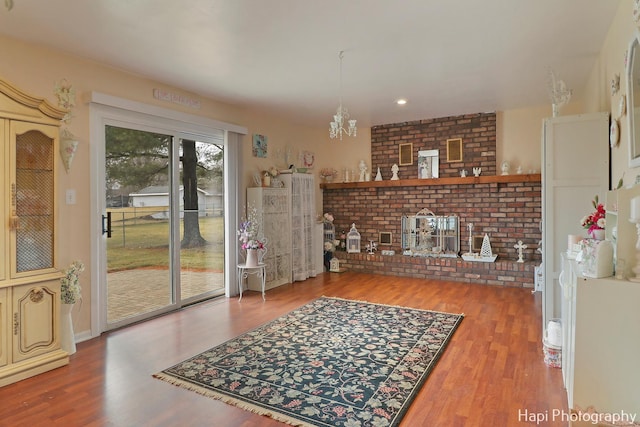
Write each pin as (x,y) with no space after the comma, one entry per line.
(32,197)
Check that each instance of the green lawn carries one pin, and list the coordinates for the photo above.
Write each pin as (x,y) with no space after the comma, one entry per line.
(145,243)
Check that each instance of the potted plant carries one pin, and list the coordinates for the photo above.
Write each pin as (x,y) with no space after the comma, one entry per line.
(248,235)
(70,293)
(70,289)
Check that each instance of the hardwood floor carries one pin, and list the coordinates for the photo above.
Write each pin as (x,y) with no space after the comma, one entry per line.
(490,374)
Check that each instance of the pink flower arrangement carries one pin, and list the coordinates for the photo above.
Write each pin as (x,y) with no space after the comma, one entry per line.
(248,233)
(328,173)
(596,220)
(253,244)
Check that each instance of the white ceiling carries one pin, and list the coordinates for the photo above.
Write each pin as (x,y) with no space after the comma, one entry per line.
(445,57)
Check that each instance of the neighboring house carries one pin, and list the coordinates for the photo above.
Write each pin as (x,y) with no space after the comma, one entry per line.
(158,196)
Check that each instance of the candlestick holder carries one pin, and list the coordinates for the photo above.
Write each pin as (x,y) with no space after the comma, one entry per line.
(470,226)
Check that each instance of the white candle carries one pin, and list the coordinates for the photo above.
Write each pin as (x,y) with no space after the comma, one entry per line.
(573,240)
(635,209)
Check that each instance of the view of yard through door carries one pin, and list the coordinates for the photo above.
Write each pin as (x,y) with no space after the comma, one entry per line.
(153,189)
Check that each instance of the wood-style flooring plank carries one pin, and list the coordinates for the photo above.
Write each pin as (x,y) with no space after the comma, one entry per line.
(492,368)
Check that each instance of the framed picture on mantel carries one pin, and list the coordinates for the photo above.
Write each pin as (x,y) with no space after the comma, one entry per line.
(454,150)
(405,154)
(428,164)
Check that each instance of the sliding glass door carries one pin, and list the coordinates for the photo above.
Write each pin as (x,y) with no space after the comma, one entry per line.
(164,222)
(201,201)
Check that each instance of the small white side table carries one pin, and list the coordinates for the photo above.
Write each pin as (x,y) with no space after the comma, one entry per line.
(243,272)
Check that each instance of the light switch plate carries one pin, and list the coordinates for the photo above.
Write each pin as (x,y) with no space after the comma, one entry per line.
(71,196)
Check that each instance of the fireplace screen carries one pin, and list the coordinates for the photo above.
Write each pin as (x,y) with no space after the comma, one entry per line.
(427,234)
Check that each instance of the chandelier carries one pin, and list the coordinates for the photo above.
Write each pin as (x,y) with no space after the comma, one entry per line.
(336,127)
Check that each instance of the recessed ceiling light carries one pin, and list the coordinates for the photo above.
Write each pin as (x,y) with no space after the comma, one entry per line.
(401,101)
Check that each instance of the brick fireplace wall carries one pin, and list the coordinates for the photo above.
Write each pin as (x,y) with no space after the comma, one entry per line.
(478,133)
(506,211)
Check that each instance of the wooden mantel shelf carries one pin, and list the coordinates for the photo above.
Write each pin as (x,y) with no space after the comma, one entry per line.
(435,181)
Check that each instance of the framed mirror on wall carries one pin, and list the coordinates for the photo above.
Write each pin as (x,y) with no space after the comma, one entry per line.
(633,100)
(428,164)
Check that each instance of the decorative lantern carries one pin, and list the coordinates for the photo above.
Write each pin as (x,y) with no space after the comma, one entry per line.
(334,265)
(353,240)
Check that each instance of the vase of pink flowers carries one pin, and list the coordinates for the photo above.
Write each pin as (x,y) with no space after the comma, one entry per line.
(248,235)
(252,247)
(595,222)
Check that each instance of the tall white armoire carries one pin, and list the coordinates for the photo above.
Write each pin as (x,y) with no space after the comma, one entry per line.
(575,168)
(287,220)
(273,211)
(303,213)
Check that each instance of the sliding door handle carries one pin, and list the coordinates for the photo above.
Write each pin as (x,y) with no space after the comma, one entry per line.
(106,224)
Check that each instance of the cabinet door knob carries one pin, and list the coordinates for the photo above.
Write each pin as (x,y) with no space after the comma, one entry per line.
(36,295)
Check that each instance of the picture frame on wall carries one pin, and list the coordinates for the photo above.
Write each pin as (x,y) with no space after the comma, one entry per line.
(405,154)
(384,238)
(454,150)
(428,164)
(259,148)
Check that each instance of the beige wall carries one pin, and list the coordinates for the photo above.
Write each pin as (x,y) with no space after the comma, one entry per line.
(519,131)
(598,95)
(519,135)
(283,136)
(36,69)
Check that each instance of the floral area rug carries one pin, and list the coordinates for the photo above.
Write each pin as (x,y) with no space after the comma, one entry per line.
(331,362)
